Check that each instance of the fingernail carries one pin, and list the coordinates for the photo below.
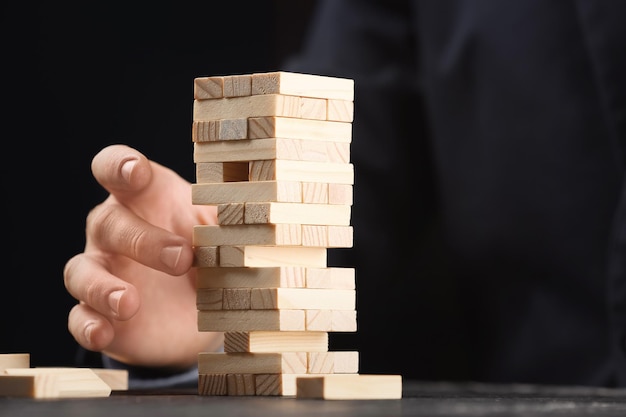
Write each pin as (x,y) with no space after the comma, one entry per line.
(170,255)
(114,300)
(127,168)
(87,331)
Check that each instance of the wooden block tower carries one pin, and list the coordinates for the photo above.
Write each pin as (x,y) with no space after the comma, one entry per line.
(272,152)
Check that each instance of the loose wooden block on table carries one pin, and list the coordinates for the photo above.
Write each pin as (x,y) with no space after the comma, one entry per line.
(14,360)
(269,341)
(350,387)
(53,382)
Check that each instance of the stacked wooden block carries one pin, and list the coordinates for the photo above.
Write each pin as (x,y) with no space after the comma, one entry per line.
(272,152)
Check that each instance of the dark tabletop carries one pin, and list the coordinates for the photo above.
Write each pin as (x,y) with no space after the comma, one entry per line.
(419,399)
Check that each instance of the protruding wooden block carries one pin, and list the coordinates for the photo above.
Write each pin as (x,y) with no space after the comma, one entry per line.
(305,85)
(264,341)
(296,213)
(262,256)
(350,387)
(52,382)
(117,379)
(302,299)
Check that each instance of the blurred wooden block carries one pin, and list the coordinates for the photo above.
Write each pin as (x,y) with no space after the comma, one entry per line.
(350,387)
(14,360)
(262,256)
(53,382)
(302,213)
(302,299)
(117,379)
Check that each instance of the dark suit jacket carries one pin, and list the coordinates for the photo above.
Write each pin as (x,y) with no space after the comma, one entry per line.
(488,145)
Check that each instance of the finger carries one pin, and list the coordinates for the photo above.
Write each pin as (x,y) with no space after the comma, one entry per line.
(121,170)
(90,329)
(114,228)
(89,282)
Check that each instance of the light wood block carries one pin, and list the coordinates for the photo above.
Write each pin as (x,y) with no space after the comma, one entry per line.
(305,85)
(333,362)
(340,110)
(253,234)
(269,149)
(262,256)
(117,379)
(302,299)
(267,341)
(259,106)
(350,387)
(281,276)
(309,129)
(241,384)
(303,171)
(208,87)
(212,172)
(216,130)
(241,192)
(212,384)
(230,214)
(252,363)
(340,194)
(206,256)
(280,213)
(52,382)
(250,320)
(331,320)
(237,85)
(14,360)
(334,277)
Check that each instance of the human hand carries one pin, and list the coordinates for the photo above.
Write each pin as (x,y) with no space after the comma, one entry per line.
(134,280)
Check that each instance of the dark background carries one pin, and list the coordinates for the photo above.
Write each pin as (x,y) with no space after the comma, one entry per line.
(75,79)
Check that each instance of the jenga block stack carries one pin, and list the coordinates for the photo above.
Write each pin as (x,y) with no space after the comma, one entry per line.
(272,152)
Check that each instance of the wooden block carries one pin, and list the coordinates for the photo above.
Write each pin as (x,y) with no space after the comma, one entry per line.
(249,320)
(241,192)
(252,363)
(305,85)
(241,384)
(326,236)
(302,299)
(334,362)
(230,214)
(315,193)
(281,276)
(279,213)
(262,256)
(269,149)
(293,128)
(303,171)
(247,234)
(350,387)
(342,321)
(215,130)
(210,299)
(237,85)
(208,88)
(117,379)
(340,110)
(338,237)
(257,106)
(334,277)
(14,360)
(53,382)
(206,256)
(278,384)
(212,384)
(339,194)
(270,341)
(217,172)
